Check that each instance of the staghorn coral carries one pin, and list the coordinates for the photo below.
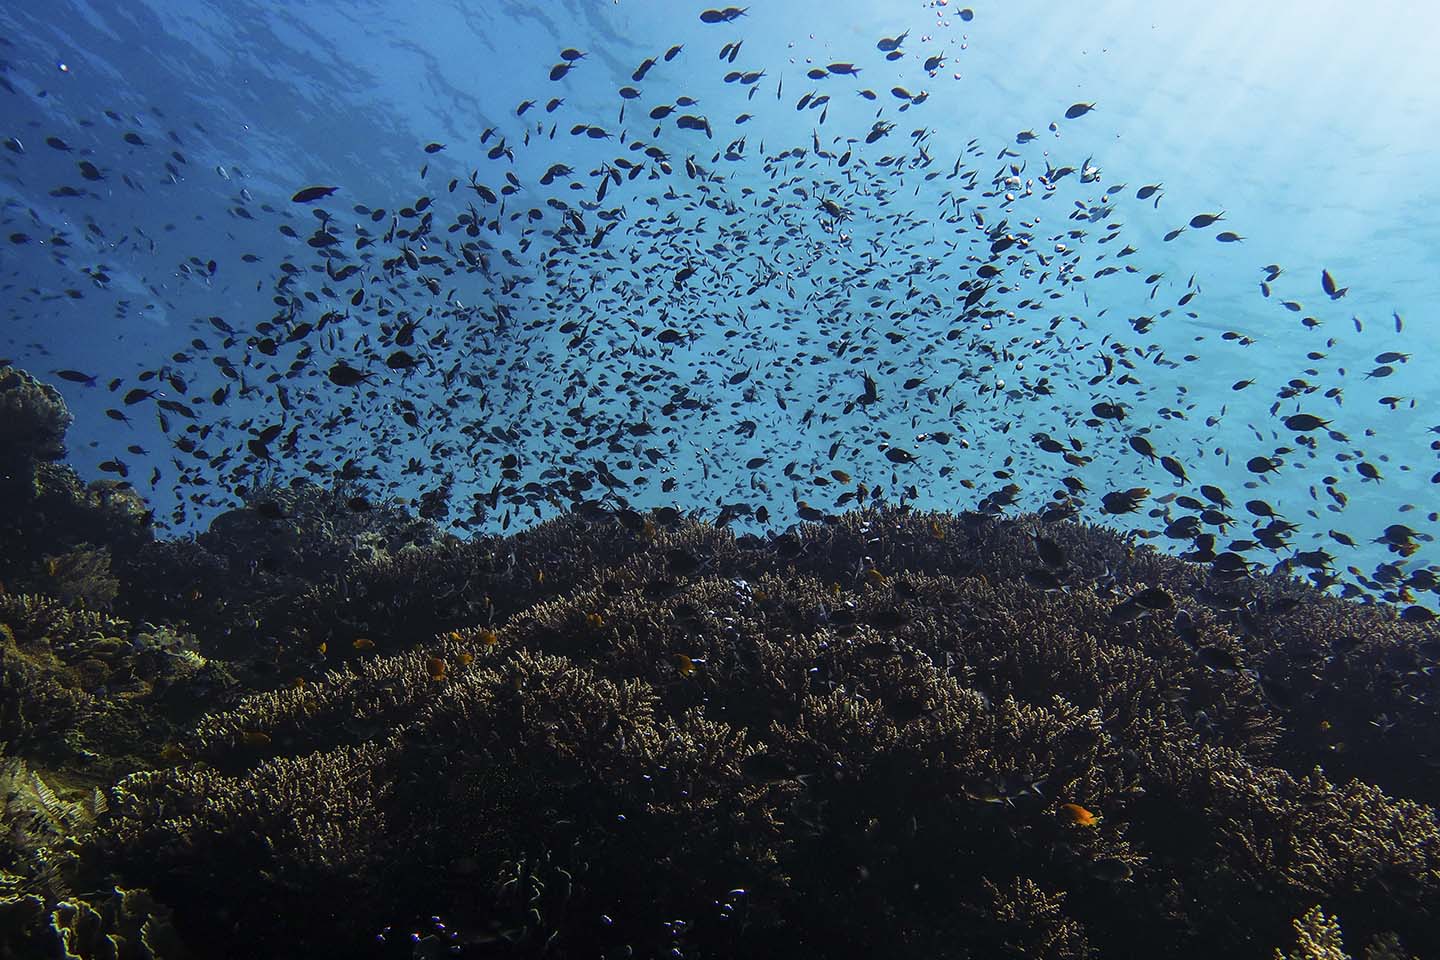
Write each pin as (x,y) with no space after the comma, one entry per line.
(1317,937)
(850,739)
(1035,923)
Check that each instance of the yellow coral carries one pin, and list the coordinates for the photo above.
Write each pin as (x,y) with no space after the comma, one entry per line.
(1317,937)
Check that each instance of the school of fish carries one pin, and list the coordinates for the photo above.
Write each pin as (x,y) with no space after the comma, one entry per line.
(655,306)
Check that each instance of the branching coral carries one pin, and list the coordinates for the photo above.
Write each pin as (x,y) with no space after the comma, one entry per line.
(882,734)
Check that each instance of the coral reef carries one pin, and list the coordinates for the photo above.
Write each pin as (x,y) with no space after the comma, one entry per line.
(46,511)
(325,728)
(1318,937)
(33,421)
(40,914)
(871,736)
(242,586)
(90,693)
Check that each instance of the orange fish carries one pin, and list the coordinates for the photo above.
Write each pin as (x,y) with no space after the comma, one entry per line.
(466,658)
(436,668)
(488,638)
(684,664)
(363,643)
(1078,815)
(254,738)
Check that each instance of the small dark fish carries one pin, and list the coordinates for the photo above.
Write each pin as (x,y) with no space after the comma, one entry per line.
(1332,290)
(1051,553)
(399,360)
(1124,501)
(889,44)
(1142,446)
(344,375)
(1202,220)
(75,376)
(1185,628)
(1043,579)
(1277,692)
(1302,422)
(1417,614)
(1217,658)
(1078,110)
(1154,598)
(311,194)
(681,562)
(722,16)
(1175,468)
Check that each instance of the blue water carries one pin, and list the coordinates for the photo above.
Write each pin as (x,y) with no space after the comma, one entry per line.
(1310,128)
